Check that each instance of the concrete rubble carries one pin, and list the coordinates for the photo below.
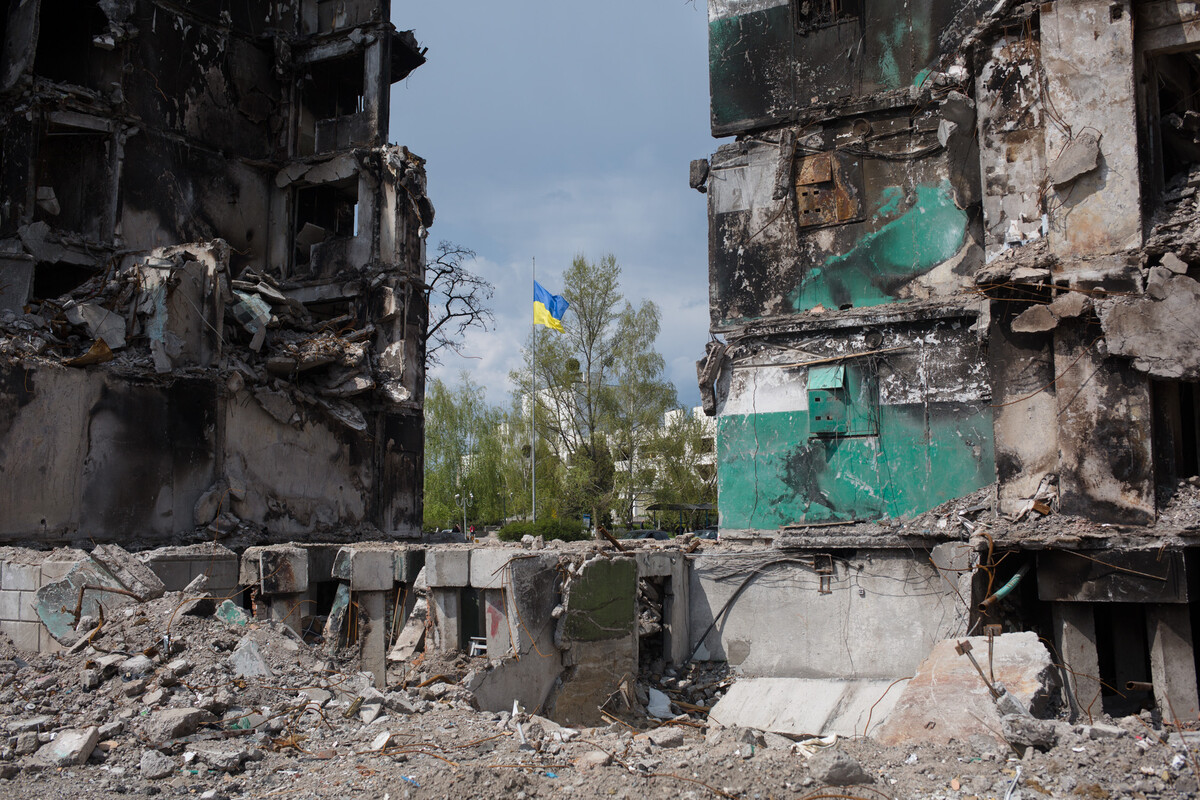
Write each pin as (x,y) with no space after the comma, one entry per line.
(153,698)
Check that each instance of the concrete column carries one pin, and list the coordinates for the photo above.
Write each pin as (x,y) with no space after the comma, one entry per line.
(286,608)
(374,635)
(1075,638)
(371,573)
(675,613)
(496,623)
(446,618)
(1172,665)
(282,577)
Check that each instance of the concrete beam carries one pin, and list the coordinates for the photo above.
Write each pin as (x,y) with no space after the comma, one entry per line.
(366,570)
(448,567)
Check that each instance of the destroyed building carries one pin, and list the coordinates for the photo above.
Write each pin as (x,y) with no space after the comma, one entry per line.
(211,271)
(950,260)
(953,256)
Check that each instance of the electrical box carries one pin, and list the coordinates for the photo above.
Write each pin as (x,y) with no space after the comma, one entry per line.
(841,402)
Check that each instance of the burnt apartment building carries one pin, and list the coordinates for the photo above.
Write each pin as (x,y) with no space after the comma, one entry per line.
(953,259)
(211,264)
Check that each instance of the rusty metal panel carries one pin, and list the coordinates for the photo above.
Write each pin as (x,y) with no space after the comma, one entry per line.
(827,190)
(1112,577)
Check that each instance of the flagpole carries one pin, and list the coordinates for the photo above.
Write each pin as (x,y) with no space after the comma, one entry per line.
(533,410)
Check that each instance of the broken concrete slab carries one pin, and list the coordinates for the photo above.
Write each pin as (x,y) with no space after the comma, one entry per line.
(807,706)
(948,700)
(247,660)
(1035,319)
(1079,157)
(173,723)
(412,636)
(69,748)
(100,322)
(129,571)
(86,587)
(1151,333)
(1070,304)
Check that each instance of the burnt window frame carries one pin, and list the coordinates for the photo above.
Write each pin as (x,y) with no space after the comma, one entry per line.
(812,15)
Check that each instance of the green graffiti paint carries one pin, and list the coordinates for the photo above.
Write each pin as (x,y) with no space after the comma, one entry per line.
(929,232)
(600,604)
(771,473)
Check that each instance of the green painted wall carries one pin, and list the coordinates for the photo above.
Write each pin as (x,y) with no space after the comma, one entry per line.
(772,474)
(600,604)
(906,244)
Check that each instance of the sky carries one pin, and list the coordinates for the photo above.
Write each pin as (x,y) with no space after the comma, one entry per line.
(555,128)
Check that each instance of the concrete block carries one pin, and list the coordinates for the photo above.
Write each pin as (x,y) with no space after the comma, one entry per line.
(366,570)
(489,567)
(10,605)
(27,607)
(23,577)
(174,573)
(806,706)
(656,565)
(283,570)
(24,635)
(446,567)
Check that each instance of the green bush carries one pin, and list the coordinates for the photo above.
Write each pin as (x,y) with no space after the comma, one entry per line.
(568,530)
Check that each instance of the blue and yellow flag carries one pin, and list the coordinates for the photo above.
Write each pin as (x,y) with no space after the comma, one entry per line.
(548,309)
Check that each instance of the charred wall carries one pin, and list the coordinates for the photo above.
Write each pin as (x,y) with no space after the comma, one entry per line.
(1015,187)
(211,265)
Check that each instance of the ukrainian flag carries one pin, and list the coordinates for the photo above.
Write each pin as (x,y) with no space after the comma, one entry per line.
(548,309)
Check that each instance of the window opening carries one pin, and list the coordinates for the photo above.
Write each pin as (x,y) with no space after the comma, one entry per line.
(65,49)
(470,617)
(809,15)
(72,181)
(324,212)
(332,95)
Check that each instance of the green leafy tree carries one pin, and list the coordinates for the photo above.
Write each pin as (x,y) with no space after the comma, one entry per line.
(598,385)
(464,455)
(684,459)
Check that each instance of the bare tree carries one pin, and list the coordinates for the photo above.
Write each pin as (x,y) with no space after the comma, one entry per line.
(457,300)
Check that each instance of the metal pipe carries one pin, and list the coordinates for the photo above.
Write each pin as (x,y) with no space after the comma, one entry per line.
(1005,590)
(1139,686)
